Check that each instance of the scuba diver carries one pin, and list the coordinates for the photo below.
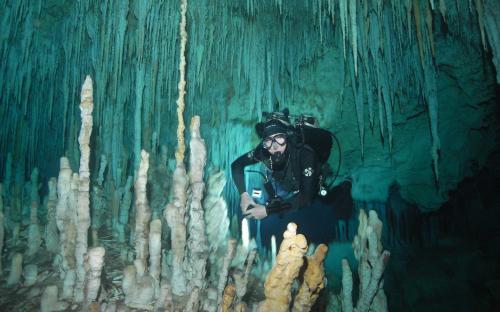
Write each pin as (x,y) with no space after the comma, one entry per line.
(293,155)
(292,177)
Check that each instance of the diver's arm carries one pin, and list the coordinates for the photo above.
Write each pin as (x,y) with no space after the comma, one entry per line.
(238,169)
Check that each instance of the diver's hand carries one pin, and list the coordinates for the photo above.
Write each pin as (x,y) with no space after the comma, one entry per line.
(245,201)
(257,212)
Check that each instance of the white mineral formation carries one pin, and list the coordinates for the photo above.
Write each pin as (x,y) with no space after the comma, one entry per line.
(139,288)
(95,264)
(175,210)
(372,260)
(65,219)
(142,211)
(165,301)
(155,250)
(51,235)
(30,274)
(16,268)
(83,199)
(241,280)
(50,301)
(197,251)
(174,214)
(231,250)
(217,221)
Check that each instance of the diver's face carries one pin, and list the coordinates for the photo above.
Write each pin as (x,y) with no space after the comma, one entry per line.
(275,143)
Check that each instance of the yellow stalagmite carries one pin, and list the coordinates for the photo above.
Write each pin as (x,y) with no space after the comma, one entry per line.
(288,263)
(313,281)
(228,297)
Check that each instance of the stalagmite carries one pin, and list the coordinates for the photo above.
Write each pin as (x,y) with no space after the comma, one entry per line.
(174,214)
(34,237)
(155,250)
(231,250)
(142,211)
(50,301)
(216,218)
(30,274)
(83,198)
(288,263)
(165,301)
(372,260)
(197,247)
(273,250)
(228,297)
(241,278)
(93,279)
(313,281)
(139,288)
(65,219)
(2,228)
(16,269)
(175,211)
(51,235)
(193,303)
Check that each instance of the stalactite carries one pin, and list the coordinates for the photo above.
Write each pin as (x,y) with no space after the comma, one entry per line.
(480,17)
(343,23)
(354,33)
(491,22)
(418,28)
(428,22)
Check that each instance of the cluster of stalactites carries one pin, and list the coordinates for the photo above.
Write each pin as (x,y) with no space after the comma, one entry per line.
(387,46)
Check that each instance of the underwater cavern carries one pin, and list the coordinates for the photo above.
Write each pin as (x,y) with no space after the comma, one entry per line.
(121,119)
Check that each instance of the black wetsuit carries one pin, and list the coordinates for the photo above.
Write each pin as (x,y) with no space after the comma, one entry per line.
(297,174)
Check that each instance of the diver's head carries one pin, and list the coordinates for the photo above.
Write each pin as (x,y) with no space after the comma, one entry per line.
(275,143)
(273,134)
